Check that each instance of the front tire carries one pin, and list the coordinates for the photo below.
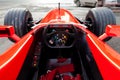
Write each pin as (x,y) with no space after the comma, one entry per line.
(21,19)
(99,18)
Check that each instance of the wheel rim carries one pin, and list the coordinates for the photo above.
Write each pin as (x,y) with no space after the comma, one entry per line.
(90,24)
(28,21)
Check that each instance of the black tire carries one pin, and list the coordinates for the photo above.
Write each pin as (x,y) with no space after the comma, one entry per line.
(103,2)
(21,19)
(75,1)
(78,3)
(99,18)
(95,4)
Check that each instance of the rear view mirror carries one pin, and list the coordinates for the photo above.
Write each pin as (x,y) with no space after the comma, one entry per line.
(8,31)
(111,31)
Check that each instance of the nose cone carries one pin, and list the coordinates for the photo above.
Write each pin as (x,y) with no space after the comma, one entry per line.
(59,15)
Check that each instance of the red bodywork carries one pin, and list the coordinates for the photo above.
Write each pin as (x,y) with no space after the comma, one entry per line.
(11,61)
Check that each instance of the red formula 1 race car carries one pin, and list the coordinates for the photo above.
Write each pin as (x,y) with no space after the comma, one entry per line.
(60,46)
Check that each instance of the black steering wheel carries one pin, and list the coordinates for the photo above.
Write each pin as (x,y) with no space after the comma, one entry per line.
(59,37)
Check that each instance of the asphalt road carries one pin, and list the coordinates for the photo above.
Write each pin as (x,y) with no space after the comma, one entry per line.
(38,11)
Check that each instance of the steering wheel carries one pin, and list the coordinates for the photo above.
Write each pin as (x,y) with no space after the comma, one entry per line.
(56,37)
